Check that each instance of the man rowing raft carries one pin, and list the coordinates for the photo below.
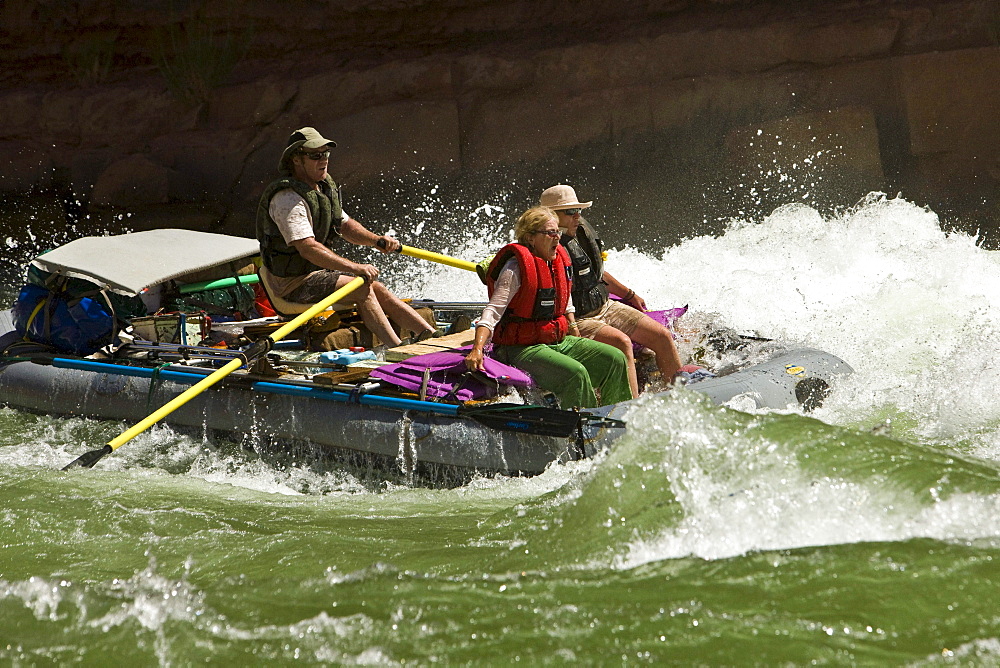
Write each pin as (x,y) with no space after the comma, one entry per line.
(300,222)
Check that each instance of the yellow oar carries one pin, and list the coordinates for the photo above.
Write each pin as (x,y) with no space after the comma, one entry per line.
(254,352)
(437,257)
(432,256)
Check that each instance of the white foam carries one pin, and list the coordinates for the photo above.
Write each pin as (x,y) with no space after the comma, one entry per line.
(741,492)
(913,310)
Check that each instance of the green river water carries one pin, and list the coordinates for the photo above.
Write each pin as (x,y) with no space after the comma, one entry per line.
(867,533)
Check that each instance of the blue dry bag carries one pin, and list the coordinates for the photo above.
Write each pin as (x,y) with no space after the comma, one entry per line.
(79,325)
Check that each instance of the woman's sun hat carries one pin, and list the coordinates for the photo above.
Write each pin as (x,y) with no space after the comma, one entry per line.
(561,197)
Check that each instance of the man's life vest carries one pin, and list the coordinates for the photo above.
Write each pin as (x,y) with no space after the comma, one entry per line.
(537,311)
(324,208)
(590,292)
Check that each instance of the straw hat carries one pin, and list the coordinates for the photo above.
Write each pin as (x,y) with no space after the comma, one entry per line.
(561,197)
(302,138)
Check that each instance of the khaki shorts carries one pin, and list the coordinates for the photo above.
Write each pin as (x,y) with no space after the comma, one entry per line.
(317,286)
(623,318)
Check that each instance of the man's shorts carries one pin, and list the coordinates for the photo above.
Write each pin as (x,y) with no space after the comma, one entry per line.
(317,286)
(623,318)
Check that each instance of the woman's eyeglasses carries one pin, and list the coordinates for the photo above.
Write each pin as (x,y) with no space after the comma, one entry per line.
(555,234)
(571,212)
(317,156)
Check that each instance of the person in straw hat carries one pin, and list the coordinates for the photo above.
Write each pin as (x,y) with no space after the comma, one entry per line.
(598,317)
(300,224)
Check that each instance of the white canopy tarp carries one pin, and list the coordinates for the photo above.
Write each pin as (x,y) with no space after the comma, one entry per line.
(128,263)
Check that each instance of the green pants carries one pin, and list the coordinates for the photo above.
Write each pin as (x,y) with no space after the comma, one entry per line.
(571,369)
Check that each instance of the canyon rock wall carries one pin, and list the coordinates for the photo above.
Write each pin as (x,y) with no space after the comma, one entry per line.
(681,111)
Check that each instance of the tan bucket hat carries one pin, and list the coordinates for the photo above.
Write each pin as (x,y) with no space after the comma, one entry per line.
(302,138)
(561,197)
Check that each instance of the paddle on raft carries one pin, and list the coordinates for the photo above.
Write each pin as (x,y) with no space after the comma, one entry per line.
(432,256)
(257,350)
(249,279)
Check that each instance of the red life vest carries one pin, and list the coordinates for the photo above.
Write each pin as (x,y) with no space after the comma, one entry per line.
(537,311)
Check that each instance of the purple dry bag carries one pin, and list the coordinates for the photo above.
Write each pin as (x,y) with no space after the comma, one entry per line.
(448,378)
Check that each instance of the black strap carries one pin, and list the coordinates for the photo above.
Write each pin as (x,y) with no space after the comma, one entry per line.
(114,317)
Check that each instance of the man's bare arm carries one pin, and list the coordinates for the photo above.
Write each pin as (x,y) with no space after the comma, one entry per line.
(321,256)
(356,233)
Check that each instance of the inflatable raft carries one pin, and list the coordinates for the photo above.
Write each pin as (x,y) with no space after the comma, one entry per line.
(340,416)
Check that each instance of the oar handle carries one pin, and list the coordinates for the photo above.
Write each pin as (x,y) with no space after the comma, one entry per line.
(437,257)
(432,256)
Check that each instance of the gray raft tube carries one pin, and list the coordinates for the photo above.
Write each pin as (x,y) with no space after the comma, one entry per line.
(796,377)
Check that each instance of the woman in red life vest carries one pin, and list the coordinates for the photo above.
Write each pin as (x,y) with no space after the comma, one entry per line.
(530,319)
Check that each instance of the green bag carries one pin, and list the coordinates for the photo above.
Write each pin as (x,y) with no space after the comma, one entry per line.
(234,301)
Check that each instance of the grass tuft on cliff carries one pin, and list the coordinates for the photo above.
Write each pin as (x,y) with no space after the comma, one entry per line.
(89,58)
(197,56)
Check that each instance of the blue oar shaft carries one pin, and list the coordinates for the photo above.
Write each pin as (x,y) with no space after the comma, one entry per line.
(364,399)
(398,403)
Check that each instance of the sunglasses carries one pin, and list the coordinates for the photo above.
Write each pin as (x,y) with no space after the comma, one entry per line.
(555,234)
(571,212)
(317,156)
